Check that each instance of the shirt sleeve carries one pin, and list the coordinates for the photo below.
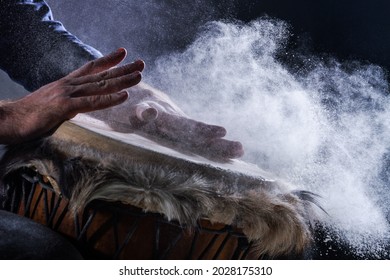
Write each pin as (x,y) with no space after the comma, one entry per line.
(34,48)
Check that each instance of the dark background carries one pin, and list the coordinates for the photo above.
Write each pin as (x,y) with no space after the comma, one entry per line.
(344,29)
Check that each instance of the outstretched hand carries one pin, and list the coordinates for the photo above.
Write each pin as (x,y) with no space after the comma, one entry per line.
(92,87)
(152,114)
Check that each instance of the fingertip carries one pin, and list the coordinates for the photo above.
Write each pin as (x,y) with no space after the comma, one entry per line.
(120,54)
(122,96)
(216,131)
(121,51)
(227,149)
(140,64)
(238,149)
(220,131)
(137,76)
(126,94)
(208,130)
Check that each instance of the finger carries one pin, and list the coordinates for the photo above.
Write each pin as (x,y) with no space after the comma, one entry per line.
(216,149)
(107,86)
(224,148)
(183,128)
(208,131)
(100,64)
(200,138)
(138,65)
(96,102)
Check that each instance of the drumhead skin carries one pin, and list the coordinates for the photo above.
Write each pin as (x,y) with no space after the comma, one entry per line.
(24,239)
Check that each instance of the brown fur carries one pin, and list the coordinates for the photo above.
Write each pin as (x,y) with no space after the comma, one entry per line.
(269,213)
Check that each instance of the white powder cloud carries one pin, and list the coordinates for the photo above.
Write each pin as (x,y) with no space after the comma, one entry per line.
(326,131)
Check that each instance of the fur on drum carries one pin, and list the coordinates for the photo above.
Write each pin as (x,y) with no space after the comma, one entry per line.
(85,167)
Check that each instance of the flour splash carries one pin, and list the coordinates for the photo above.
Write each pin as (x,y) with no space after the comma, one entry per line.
(326,129)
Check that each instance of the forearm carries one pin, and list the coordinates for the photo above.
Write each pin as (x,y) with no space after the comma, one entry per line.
(35,49)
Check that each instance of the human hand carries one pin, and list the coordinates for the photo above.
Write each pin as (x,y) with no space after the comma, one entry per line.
(94,86)
(152,114)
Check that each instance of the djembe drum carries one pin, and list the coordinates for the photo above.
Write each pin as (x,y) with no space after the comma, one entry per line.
(119,196)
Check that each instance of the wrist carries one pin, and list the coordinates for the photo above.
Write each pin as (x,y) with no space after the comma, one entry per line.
(8,123)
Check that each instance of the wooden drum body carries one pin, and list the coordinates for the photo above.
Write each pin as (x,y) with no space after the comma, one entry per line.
(105,230)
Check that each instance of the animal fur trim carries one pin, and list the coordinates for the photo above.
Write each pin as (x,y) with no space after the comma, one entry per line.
(86,166)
